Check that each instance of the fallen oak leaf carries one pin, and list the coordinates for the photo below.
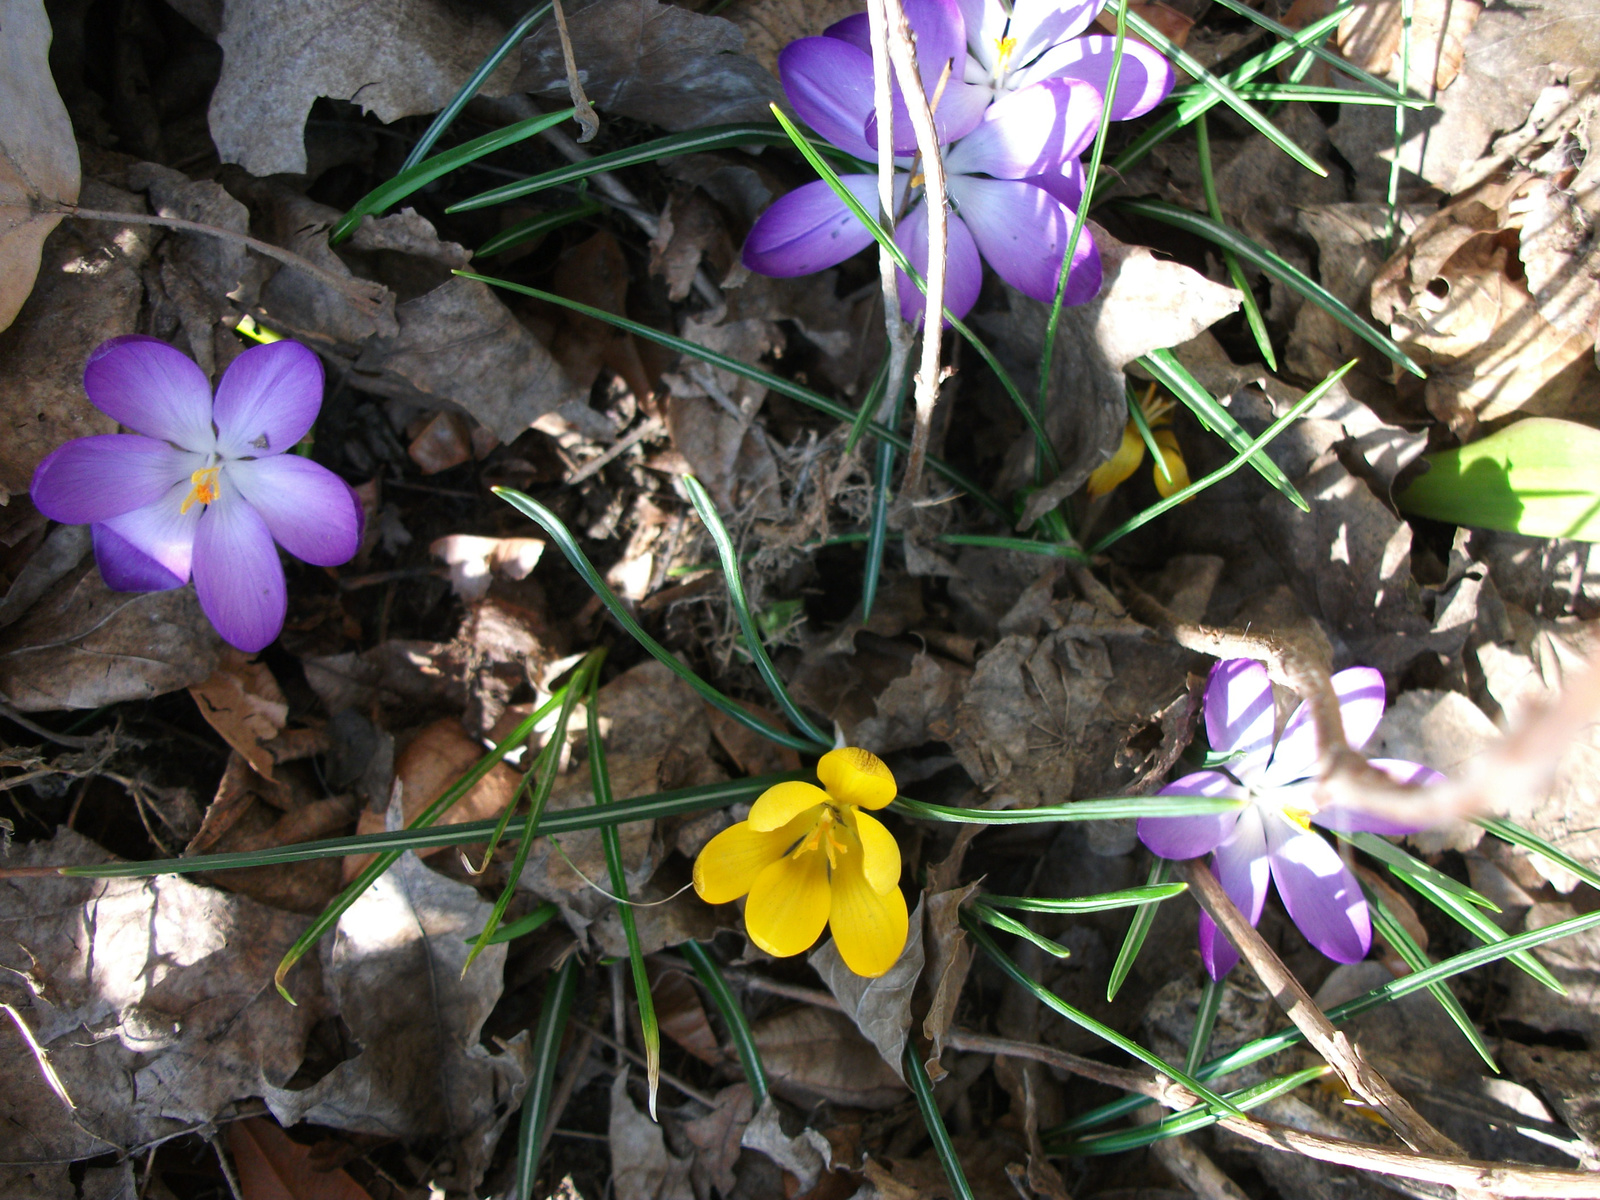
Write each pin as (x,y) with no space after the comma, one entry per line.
(272,1166)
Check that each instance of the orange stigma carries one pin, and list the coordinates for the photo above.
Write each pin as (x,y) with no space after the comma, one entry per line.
(204,490)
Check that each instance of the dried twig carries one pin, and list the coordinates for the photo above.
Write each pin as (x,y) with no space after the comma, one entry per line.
(903,54)
(883,102)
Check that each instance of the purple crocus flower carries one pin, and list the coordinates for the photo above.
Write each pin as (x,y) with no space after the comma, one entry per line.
(1000,155)
(1271,834)
(203,487)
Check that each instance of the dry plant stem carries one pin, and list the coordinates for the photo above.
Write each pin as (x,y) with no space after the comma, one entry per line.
(638,1060)
(899,337)
(362,292)
(903,54)
(584,112)
(1190,1165)
(1340,1052)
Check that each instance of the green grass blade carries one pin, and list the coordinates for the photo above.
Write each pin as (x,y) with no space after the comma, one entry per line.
(470,88)
(1224,91)
(1389,928)
(1138,930)
(1208,182)
(1282,271)
(1175,377)
(1084,1021)
(917,1077)
(1148,437)
(425,172)
(1205,1021)
(1317,50)
(869,405)
(1309,93)
(1152,893)
(653,807)
(727,1003)
(1112,808)
(694,141)
(1011,925)
(545,1053)
(1194,489)
(1021,545)
(878,514)
(734,581)
(600,777)
(776,383)
(563,538)
(1476,923)
(1403,862)
(536,227)
(522,926)
(1518,836)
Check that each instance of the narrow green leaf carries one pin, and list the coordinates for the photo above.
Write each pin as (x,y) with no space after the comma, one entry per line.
(1022,545)
(1148,437)
(727,1003)
(1317,50)
(917,1076)
(536,227)
(734,581)
(1138,929)
(999,920)
(425,172)
(1205,1021)
(1152,893)
(1507,831)
(878,514)
(545,1052)
(1308,93)
(1208,183)
(869,405)
(1175,377)
(522,926)
(1402,861)
(1112,808)
(1475,922)
(1284,272)
(776,383)
(474,82)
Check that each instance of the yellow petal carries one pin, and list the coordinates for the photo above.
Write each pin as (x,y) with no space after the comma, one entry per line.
(1120,465)
(869,928)
(1171,454)
(728,864)
(783,802)
(789,904)
(856,776)
(880,853)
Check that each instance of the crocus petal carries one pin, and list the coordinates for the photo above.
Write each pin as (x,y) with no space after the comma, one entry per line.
(727,866)
(1240,714)
(237,574)
(1039,24)
(1065,183)
(963,272)
(311,511)
(1022,232)
(880,853)
(1190,837)
(126,568)
(810,229)
(941,40)
(829,83)
(985,22)
(147,386)
(1355,820)
(1242,869)
(855,29)
(1029,132)
(856,776)
(1104,479)
(789,904)
(95,478)
(869,927)
(1361,700)
(1171,473)
(268,399)
(961,107)
(783,802)
(161,532)
(1145,80)
(1319,891)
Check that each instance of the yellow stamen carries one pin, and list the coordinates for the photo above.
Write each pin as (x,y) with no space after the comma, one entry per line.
(1007,47)
(917,180)
(1156,409)
(1300,816)
(204,490)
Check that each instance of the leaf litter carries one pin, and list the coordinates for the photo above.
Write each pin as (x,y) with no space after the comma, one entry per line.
(986,677)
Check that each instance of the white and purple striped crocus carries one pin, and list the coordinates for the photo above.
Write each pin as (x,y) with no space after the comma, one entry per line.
(1011,160)
(201,487)
(1271,835)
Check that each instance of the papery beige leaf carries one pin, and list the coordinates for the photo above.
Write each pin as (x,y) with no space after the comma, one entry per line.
(38,154)
(243,702)
(880,1007)
(815,1052)
(641,1166)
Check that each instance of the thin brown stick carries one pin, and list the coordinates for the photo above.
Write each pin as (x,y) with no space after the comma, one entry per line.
(903,54)
(361,291)
(1336,1047)
(899,337)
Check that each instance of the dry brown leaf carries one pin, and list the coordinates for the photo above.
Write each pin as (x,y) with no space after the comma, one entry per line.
(751,753)
(716,1139)
(273,1166)
(641,1166)
(444,441)
(812,1052)
(683,1018)
(691,229)
(472,560)
(38,153)
(1166,19)
(805,1156)
(396,59)
(1370,37)
(770,25)
(594,272)
(243,702)
(880,1007)
(949,955)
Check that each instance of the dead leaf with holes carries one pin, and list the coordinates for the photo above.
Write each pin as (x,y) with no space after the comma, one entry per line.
(243,702)
(38,153)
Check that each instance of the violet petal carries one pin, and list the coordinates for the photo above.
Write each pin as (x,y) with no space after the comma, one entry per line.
(985,22)
(963,278)
(829,83)
(237,574)
(1029,132)
(1021,231)
(1040,24)
(162,532)
(1145,81)
(1361,702)
(1319,891)
(961,108)
(125,567)
(310,510)
(268,400)
(1216,952)
(1240,714)
(1190,837)
(95,478)
(1065,183)
(810,229)
(147,386)
(1241,867)
(855,29)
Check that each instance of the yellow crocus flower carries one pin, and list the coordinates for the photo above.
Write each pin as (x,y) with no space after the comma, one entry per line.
(1158,415)
(809,857)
